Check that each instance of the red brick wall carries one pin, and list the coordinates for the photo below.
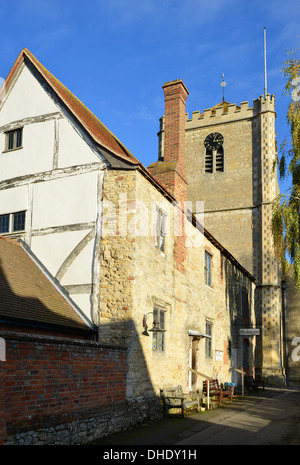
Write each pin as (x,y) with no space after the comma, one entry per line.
(48,381)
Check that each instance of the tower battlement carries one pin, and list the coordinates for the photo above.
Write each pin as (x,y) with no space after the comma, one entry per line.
(225,112)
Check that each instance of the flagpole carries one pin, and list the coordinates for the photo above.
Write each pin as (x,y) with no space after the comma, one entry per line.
(265,60)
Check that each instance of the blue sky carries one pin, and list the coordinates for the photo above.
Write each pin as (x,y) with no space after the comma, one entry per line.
(115,55)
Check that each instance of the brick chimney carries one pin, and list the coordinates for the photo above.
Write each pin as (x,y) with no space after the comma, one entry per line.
(170,172)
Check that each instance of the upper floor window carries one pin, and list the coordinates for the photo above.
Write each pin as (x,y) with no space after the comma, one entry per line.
(207,269)
(14,139)
(160,230)
(12,222)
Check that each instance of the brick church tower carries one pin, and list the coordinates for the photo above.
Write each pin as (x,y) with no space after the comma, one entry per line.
(230,152)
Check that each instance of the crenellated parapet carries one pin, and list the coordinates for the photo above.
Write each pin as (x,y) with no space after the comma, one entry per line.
(226,112)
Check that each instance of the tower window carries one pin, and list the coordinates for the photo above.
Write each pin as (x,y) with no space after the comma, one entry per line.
(220,159)
(208,161)
(214,155)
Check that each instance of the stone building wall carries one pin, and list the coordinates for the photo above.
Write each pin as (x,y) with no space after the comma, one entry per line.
(150,279)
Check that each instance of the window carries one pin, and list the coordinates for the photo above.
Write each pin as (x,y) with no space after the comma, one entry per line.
(208,340)
(220,159)
(160,230)
(12,222)
(214,160)
(207,269)
(208,161)
(158,342)
(14,139)
(4,223)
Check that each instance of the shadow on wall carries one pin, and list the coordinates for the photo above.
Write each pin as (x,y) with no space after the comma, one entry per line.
(240,317)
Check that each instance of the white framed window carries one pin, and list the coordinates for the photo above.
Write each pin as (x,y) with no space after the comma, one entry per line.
(12,222)
(160,230)
(14,139)
(158,341)
(208,269)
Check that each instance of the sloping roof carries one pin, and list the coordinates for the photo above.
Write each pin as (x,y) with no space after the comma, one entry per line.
(96,129)
(27,294)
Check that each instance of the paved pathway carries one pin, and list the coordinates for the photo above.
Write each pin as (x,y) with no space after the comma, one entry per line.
(270,417)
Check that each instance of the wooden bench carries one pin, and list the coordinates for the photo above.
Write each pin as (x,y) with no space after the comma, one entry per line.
(173,397)
(252,384)
(212,386)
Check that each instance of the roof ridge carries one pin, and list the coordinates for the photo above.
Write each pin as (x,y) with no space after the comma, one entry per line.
(91,123)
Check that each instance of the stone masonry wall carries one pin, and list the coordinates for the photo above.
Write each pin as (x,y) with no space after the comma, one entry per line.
(117,273)
(186,301)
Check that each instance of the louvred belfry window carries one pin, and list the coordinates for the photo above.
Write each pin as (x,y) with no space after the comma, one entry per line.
(209,161)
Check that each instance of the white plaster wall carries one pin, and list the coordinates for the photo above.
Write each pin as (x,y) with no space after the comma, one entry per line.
(13,200)
(84,303)
(65,201)
(80,271)
(53,249)
(73,149)
(36,154)
(26,98)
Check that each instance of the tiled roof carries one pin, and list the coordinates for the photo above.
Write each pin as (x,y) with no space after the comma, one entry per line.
(96,129)
(26,294)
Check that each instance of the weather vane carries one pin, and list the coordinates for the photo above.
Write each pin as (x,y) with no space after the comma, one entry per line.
(223,84)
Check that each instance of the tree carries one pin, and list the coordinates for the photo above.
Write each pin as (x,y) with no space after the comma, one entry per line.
(286,207)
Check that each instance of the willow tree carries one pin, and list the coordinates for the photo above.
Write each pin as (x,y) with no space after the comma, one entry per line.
(286,208)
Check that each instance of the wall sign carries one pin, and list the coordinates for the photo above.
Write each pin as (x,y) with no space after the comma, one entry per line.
(249,332)
(219,355)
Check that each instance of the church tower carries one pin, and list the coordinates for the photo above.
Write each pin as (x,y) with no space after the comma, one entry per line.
(230,154)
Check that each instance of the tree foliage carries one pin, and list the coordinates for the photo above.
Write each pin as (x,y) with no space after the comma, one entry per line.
(286,208)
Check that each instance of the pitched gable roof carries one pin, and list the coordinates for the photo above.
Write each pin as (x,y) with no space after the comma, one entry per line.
(28,295)
(95,128)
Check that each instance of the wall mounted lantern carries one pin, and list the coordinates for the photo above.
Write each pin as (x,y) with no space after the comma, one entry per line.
(155,326)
